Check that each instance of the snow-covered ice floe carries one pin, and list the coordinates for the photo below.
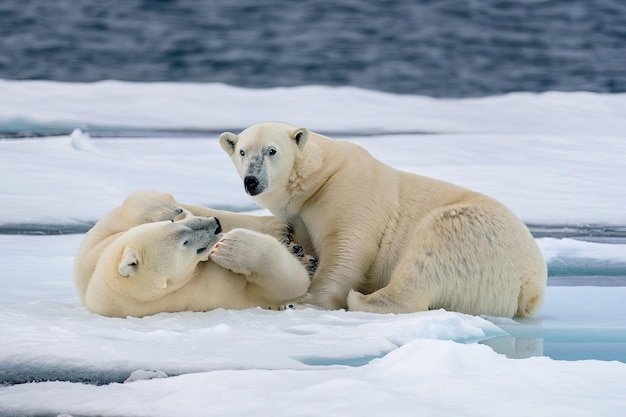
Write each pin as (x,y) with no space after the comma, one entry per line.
(297,362)
(557,159)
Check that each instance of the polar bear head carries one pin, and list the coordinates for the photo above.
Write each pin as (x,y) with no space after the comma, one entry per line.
(154,259)
(265,156)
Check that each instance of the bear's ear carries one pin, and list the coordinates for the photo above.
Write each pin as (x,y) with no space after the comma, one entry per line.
(300,136)
(129,262)
(228,141)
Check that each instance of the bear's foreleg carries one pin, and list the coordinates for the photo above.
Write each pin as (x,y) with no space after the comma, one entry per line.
(345,256)
(269,225)
(273,272)
(333,280)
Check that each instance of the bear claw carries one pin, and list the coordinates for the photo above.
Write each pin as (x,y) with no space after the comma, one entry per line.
(297,250)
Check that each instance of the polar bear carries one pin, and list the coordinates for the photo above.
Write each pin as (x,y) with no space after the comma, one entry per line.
(153,255)
(388,241)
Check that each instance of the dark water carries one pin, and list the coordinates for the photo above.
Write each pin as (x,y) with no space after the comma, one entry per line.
(450,48)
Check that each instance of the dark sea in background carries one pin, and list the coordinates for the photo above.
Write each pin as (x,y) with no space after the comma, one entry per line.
(441,48)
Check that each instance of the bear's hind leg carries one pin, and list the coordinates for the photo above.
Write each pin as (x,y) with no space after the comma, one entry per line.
(401,295)
(381,302)
(530,298)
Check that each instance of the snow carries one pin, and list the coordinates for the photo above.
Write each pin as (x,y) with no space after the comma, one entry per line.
(554,158)
(189,106)
(437,378)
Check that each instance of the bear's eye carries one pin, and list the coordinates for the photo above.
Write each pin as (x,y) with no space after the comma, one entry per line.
(185,243)
(242,153)
(272,151)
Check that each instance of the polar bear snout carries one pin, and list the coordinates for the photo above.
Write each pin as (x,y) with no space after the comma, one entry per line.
(201,233)
(251,183)
(204,224)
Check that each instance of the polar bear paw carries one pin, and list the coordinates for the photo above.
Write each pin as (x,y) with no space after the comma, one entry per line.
(310,263)
(236,251)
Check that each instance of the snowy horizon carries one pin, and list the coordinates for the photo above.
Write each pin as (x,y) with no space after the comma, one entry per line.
(553,158)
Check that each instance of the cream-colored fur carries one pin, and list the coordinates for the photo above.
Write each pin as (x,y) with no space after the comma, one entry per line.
(153,255)
(388,241)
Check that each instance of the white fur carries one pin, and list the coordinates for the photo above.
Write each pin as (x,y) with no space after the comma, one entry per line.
(137,261)
(387,240)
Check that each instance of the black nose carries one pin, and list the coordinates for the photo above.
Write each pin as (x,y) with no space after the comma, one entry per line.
(218,229)
(251,182)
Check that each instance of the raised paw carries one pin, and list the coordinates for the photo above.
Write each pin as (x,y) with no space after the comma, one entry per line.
(237,251)
(150,206)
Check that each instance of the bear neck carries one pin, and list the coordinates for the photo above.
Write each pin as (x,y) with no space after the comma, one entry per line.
(313,168)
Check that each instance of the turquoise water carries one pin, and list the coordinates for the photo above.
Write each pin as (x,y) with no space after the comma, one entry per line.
(529,338)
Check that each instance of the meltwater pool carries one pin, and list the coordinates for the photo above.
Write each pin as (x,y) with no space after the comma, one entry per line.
(577,323)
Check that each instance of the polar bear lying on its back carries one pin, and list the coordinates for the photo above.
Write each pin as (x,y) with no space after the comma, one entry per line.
(387,240)
(138,261)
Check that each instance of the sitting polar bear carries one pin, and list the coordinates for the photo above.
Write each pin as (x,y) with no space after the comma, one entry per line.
(388,241)
(138,261)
